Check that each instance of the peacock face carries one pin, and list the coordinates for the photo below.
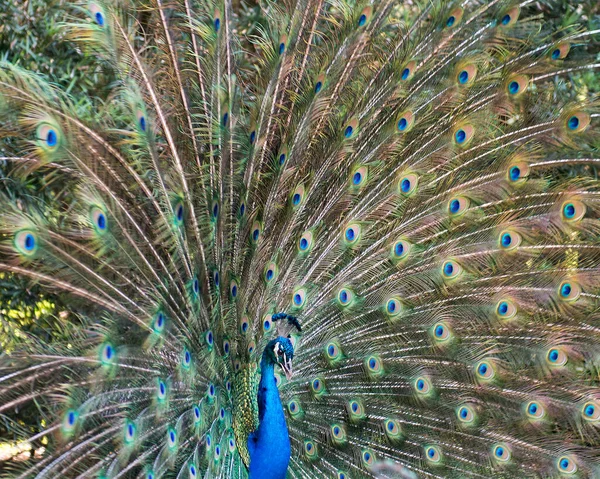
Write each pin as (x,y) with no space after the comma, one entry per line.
(281,352)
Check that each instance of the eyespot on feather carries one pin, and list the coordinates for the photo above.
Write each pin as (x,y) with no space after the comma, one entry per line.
(186,358)
(297,196)
(338,434)
(407,185)
(214,210)
(569,291)
(485,370)
(567,464)
(233,289)
(405,121)
(408,70)
(255,232)
(226,347)
(351,128)
(392,429)
(69,423)
(462,135)
(458,205)
(225,116)
(178,213)
(159,322)
(282,156)
(373,366)
(465,74)
(171,438)
(466,414)
(294,408)
(534,410)
(556,357)
(422,386)
(518,172)
(267,322)
(501,453)
(433,454)
(299,298)
(345,297)
(26,243)
(560,51)
(217,20)
(440,332)
(510,17)
(365,16)
(572,211)
(242,209)
(509,240)
(454,17)
(351,234)
(271,272)
(368,458)
(506,309)
(400,249)
(358,177)
(319,83)
(393,307)
(98,14)
(516,85)
(591,411)
(161,390)
(282,44)
(317,386)
(451,270)
(333,351)
(210,340)
(356,410)
(577,122)
(129,432)
(49,135)
(107,354)
(99,220)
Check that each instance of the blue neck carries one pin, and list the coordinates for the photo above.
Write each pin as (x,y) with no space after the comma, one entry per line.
(269,445)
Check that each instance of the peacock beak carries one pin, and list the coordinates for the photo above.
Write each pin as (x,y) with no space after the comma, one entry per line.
(287,367)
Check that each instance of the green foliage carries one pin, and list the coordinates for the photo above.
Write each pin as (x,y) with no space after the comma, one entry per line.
(31,36)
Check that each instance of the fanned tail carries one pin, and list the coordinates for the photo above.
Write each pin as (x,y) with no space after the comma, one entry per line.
(413,181)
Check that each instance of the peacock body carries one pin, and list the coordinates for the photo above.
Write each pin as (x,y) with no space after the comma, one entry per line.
(400,197)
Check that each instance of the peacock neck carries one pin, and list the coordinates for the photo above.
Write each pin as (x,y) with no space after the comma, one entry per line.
(269,408)
(271,452)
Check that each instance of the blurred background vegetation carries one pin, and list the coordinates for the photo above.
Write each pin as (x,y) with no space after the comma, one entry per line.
(31,36)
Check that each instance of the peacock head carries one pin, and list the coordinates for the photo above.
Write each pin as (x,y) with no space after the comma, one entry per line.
(280,351)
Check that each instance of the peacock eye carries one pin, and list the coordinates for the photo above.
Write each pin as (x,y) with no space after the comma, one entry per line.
(535,410)
(501,452)
(26,242)
(591,411)
(433,454)
(458,206)
(465,414)
(567,465)
(485,370)
(556,357)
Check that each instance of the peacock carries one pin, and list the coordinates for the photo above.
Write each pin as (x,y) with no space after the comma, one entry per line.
(355,239)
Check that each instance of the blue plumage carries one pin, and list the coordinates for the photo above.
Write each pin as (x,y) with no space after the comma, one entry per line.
(269,445)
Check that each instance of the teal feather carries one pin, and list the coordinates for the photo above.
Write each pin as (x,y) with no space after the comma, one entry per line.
(420,193)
